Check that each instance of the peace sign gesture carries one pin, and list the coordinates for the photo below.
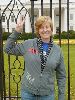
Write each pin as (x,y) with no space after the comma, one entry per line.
(19,25)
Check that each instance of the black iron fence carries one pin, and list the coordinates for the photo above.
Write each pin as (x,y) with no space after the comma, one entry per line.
(9,80)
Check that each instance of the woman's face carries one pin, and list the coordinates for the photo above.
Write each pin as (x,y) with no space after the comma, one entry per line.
(45,31)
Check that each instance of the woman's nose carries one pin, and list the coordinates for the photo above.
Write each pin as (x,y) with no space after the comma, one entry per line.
(45,29)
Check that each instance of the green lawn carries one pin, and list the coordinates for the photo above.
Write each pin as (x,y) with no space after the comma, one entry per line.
(15,74)
(72,67)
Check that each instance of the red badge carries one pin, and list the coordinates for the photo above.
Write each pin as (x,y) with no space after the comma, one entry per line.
(32,50)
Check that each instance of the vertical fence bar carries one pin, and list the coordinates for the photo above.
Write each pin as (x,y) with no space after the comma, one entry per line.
(1,78)
(41,7)
(9,76)
(60,23)
(32,17)
(17,92)
(68,50)
(51,8)
(9,63)
(2,73)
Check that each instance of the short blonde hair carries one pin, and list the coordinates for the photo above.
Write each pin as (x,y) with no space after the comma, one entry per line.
(40,20)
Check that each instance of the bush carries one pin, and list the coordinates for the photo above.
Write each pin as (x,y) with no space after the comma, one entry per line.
(5,35)
(71,31)
(25,36)
(64,35)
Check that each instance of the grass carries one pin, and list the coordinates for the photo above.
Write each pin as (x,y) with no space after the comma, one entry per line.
(18,71)
(72,68)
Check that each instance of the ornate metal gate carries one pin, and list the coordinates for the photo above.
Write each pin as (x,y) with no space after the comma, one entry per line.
(9,84)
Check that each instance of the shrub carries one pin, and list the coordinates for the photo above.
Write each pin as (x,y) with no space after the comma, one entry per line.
(64,35)
(25,36)
(71,31)
(5,35)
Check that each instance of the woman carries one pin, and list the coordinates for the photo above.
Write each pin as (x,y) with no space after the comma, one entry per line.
(43,60)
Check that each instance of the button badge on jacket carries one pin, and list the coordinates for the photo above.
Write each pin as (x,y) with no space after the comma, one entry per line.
(33,51)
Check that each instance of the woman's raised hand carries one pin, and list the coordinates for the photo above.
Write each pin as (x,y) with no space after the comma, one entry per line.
(19,25)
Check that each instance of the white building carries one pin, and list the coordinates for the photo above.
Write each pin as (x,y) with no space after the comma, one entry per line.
(37,12)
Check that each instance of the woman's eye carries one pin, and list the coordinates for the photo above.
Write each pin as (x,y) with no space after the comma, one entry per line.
(42,27)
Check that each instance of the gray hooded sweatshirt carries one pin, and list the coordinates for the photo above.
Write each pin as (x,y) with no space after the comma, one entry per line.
(33,80)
